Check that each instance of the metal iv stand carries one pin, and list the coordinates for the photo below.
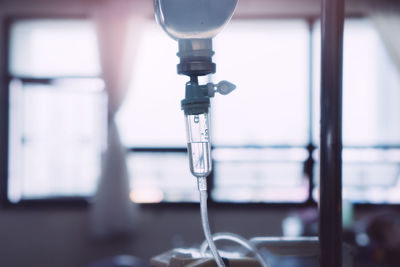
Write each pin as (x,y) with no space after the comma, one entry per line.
(195,60)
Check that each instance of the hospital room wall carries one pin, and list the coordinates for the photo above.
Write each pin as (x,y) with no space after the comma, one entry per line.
(62,237)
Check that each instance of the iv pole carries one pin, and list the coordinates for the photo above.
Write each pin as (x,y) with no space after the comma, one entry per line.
(330,192)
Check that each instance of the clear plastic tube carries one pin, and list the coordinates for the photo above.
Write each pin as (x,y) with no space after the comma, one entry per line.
(198,138)
(202,184)
(241,241)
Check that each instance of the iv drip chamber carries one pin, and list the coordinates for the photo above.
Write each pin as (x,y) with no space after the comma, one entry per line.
(199,149)
(193,19)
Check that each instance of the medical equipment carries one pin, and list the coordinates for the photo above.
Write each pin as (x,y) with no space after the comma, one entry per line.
(193,23)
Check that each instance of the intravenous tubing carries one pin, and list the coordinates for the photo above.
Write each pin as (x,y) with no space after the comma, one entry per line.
(202,184)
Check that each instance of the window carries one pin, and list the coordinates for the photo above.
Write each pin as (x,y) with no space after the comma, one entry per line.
(371,115)
(45,48)
(260,132)
(57,109)
(265,134)
(151,123)
(267,110)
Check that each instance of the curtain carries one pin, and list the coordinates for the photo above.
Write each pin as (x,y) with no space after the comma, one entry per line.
(386,17)
(113,213)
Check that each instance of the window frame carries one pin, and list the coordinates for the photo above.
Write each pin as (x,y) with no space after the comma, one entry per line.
(6,78)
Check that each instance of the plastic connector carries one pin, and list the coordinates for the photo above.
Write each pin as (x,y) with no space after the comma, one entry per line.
(223,88)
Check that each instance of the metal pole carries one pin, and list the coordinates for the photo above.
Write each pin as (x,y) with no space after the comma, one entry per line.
(4,106)
(330,191)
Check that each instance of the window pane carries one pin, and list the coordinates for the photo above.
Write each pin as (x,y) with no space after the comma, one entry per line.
(268,61)
(53,48)
(260,175)
(371,115)
(151,114)
(371,87)
(57,135)
(369,175)
(157,177)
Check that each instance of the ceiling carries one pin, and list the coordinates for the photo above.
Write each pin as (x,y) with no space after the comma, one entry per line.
(245,8)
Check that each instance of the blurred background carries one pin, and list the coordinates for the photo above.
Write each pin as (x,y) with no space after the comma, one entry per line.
(92,140)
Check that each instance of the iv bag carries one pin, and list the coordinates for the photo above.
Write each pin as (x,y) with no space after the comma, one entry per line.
(193,19)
